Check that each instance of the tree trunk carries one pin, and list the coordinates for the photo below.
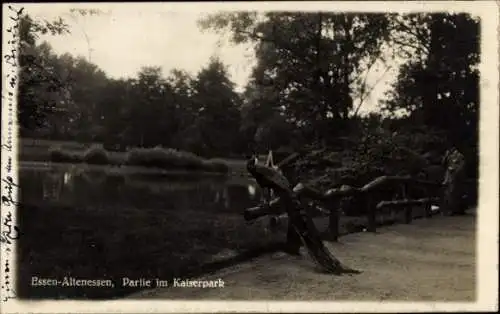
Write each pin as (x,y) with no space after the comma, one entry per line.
(318,73)
(431,103)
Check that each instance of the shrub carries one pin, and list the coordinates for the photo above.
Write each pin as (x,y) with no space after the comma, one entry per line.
(96,155)
(187,160)
(376,153)
(170,159)
(56,154)
(157,157)
(148,157)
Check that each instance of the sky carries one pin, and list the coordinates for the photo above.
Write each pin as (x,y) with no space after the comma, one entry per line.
(124,38)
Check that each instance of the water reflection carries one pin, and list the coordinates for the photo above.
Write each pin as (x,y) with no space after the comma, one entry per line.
(252,190)
(74,186)
(222,196)
(52,185)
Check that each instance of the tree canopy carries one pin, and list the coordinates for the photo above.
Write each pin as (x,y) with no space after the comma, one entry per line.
(306,88)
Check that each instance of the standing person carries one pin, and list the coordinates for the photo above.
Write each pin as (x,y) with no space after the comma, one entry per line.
(454,161)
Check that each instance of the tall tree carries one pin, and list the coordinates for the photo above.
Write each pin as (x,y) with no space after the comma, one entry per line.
(188,110)
(440,88)
(307,63)
(218,105)
(151,111)
(115,103)
(40,89)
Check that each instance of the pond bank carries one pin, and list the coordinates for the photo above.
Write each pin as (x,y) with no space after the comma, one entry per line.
(41,165)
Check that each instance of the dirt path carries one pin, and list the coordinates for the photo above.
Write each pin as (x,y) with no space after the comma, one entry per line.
(429,260)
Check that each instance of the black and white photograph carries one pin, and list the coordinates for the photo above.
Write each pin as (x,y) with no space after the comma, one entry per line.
(299,152)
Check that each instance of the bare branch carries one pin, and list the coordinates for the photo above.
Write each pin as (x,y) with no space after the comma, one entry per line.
(87,39)
(362,99)
(415,33)
(363,84)
(407,44)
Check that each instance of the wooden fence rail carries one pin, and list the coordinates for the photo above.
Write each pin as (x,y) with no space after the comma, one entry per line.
(332,197)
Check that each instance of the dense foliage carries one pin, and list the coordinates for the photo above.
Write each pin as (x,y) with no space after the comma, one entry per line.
(306,88)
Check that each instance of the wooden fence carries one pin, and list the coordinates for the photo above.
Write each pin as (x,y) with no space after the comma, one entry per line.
(332,199)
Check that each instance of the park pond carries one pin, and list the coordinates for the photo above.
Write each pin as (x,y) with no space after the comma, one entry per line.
(91,222)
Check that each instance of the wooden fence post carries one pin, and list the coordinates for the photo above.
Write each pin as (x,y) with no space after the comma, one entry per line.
(334,219)
(428,205)
(408,214)
(408,208)
(428,210)
(371,211)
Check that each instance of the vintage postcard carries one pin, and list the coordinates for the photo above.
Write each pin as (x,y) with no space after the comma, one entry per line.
(249,157)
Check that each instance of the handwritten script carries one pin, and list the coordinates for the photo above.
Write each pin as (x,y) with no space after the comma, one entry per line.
(9,231)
